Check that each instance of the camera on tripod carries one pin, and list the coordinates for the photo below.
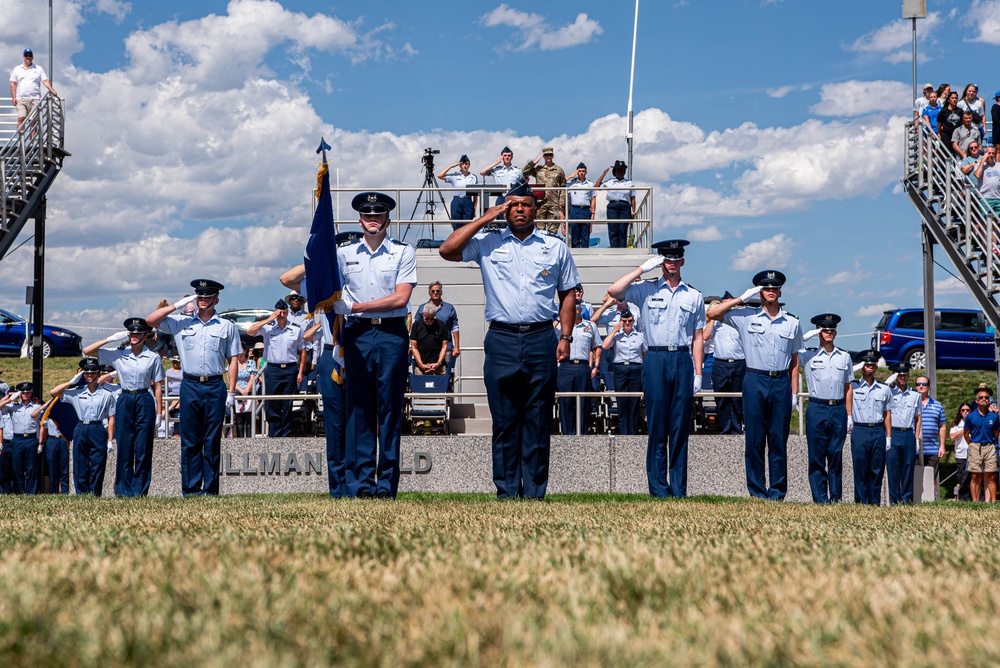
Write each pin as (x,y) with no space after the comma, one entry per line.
(428,158)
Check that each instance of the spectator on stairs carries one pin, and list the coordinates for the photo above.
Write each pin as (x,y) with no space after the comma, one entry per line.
(988,176)
(949,118)
(930,112)
(972,102)
(967,133)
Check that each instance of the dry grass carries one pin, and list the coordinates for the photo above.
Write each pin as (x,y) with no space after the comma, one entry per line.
(431,580)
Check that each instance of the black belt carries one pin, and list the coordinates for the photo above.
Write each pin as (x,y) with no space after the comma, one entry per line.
(463,197)
(772,374)
(620,201)
(32,433)
(398,320)
(628,363)
(202,379)
(669,349)
(283,366)
(576,362)
(327,346)
(902,428)
(520,328)
(869,424)
(580,206)
(134,391)
(826,402)
(722,359)
(90,422)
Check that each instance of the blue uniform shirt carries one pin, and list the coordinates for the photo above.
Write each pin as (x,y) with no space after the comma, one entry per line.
(521,278)
(135,372)
(727,342)
(97,406)
(982,427)
(458,181)
(826,373)
(618,190)
(669,317)
(20,418)
(203,346)
(506,176)
(628,347)
(282,345)
(368,274)
(580,192)
(904,407)
(768,344)
(7,426)
(585,339)
(870,401)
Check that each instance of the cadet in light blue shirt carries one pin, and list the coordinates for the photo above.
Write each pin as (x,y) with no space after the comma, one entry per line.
(504,172)
(285,350)
(871,436)
(621,202)
(829,372)
(93,404)
(523,270)
(463,203)
(729,367)
(627,347)
(582,205)
(673,317)
(901,458)
(24,440)
(576,373)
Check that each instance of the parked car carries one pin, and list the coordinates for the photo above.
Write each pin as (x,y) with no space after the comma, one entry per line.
(244,318)
(963,337)
(56,341)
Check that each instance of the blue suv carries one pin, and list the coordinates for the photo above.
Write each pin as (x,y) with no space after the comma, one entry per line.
(964,338)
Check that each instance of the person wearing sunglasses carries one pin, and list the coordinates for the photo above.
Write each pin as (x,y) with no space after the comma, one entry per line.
(981,428)
(932,427)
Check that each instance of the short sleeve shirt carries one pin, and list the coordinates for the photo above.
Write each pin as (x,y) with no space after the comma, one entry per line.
(203,347)
(982,427)
(669,317)
(827,374)
(368,274)
(768,345)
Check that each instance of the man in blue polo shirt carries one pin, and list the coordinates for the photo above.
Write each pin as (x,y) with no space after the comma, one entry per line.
(932,427)
(981,427)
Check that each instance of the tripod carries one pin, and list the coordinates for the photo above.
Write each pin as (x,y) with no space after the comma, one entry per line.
(428,190)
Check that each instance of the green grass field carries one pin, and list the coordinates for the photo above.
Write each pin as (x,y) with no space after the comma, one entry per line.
(470,581)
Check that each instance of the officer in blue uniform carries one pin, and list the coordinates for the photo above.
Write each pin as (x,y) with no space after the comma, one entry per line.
(829,373)
(901,457)
(729,367)
(463,204)
(871,436)
(24,444)
(52,440)
(771,339)
(627,348)
(673,316)
(209,347)
(582,205)
(285,351)
(576,373)
(523,270)
(377,274)
(621,202)
(139,404)
(504,172)
(93,404)
(7,485)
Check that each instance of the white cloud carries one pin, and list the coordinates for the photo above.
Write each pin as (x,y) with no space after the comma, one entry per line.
(852,275)
(984,17)
(773,253)
(708,233)
(950,285)
(857,98)
(895,34)
(874,309)
(782,91)
(118,10)
(535,31)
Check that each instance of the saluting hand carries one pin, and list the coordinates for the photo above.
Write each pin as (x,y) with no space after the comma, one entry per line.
(749,294)
(117,336)
(184,301)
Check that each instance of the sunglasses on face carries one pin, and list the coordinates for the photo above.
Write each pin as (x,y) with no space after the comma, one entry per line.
(919,384)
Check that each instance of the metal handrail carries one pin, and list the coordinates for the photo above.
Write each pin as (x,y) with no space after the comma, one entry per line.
(25,152)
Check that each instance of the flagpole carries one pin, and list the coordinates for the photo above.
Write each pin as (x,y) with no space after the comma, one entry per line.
(631,82)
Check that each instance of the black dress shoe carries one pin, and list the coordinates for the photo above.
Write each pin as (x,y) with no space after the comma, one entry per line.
(364,494)
(384,495)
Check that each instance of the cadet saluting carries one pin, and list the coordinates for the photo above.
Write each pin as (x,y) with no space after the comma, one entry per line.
(136,413)
(285,352)
(19,406)
(523,269)
(771,339)
(208,348)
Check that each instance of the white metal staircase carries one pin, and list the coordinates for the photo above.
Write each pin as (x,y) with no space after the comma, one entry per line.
(30,160)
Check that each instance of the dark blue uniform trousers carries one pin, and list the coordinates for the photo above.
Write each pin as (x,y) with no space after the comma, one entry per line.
(618,232)
(26,463)
(203,410)
(628,378)
(7,484)
(826,431)
(57,460)
(767,401)
(668,379)
(900,462)
(579,233)
(573,378)
(279,412)
(376,365)
(520,375)
(461,209)
(334,418)
(868,455)
(728,377)
(90,457)
(135,428)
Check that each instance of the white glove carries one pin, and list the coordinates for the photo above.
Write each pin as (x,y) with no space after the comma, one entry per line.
(184,301)
(850,424)
(41,446)
(117,336)
(891,379)
(111,446)
(749,294)
(920,445)
(159,420)
(857,367)
(230,400)
(112,374)
(888,443)
(811,333)
(652,263)
(343,306)
(14,397)
(795,401)
(697,384)
(76,378)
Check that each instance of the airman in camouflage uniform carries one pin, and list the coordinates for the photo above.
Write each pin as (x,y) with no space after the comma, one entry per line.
(553,207)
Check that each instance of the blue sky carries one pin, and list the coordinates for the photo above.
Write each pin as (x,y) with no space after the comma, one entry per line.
(771,131)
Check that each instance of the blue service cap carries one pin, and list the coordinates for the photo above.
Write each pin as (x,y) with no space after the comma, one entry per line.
(138,325)
(90,364)
(520,189)
(581,166)
(506,149)
(826,320)
(870,356)
(902,368)
(281,304)
(619,164)
(28,52)
(769,278)
(373,202)
(348,237)
(464,158)
(206,287)
(626,314)
(24,387)
(672,249)
(727,295)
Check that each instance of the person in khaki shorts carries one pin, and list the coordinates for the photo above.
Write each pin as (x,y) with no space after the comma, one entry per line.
(981,428)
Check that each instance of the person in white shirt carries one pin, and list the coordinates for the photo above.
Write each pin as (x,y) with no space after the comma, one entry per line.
(26,83)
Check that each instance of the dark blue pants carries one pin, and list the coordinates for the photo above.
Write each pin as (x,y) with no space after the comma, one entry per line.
(203,410)
(334,418)
(7,484)
(628,378)
(377,366)
(579,233)
(618,232)
(520,377)
(900,461)
(135,428)
(57,459)
(826,431)
(90,458)
(668,382)
(573,378)
(728,377)
(868,455)
(461,209)
(26,463)
(279,412)
(767,402)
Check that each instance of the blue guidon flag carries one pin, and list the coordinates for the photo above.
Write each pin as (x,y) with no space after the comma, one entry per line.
(322,271)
